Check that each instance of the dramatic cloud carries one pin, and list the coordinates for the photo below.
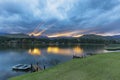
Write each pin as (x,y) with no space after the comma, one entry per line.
(83,16)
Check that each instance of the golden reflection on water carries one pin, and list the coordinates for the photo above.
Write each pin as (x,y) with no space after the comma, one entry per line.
(57,50)
(70,51)
(77,50)
(35,51)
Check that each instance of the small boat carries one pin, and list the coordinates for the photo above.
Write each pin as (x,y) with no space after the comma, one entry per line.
(21,67)
(74,57)
(91,54)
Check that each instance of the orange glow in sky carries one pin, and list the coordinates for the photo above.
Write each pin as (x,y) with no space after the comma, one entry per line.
(79,35)
(39,33)
(64,34)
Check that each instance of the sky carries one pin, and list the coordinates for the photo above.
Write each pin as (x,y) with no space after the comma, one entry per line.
(60,16)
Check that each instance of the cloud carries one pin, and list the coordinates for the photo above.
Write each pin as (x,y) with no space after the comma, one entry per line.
(95,16)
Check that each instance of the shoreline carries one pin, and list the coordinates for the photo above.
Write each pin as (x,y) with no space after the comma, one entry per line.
(73,64)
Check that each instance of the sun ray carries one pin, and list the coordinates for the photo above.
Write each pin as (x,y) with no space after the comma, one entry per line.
(38,26)
(41,32)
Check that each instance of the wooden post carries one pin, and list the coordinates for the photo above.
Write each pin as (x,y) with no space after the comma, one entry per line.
(31,68)
(44,67)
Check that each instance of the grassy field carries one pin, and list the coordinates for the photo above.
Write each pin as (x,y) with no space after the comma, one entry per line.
(97,67)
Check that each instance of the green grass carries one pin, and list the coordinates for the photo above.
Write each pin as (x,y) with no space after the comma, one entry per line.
(98,67)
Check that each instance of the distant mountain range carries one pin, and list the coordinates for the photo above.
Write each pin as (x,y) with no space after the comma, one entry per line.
(100,37)
(21,35)
(3,33)
(114,37)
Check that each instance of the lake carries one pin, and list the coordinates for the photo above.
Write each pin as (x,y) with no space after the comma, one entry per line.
(44,55)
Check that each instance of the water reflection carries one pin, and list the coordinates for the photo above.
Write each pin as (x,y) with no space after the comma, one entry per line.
(45,55)
(35,51)
(65,51)
(57,50)
(77,50)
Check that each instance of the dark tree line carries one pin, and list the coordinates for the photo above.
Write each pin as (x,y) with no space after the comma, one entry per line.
(56,41)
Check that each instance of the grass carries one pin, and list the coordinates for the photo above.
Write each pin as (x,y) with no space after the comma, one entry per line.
(98,67)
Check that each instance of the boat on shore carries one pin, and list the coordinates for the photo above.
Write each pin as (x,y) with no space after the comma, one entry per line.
(26,67)
(21,67)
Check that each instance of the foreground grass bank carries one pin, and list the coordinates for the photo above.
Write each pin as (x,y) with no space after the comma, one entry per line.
(98,67)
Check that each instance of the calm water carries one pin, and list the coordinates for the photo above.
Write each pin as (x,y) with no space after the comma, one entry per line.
(45,55)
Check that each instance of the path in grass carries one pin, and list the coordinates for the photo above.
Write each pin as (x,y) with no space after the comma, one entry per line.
(98,67)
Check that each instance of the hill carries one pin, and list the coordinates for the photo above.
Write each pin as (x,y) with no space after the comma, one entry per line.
(20,35)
